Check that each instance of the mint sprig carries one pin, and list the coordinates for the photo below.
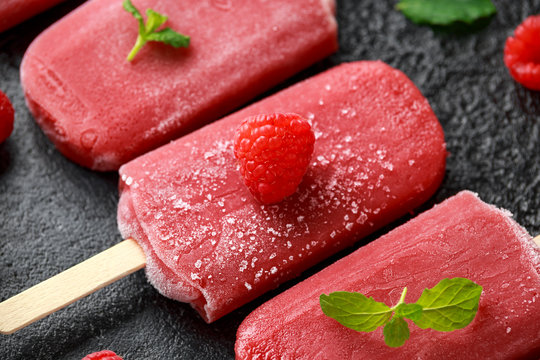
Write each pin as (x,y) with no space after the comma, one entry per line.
(148,31)
(450,305)
(446,12)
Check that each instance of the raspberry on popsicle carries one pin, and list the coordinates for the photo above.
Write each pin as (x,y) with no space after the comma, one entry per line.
(274,152)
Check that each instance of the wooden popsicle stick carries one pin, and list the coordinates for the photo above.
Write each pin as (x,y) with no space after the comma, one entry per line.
(70,285)
(537,240)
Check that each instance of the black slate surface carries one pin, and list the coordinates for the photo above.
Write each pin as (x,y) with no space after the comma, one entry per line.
(54,214)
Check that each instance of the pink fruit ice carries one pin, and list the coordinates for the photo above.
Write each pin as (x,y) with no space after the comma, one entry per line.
(13,12)
(462,237)
(379,153)
(102,111)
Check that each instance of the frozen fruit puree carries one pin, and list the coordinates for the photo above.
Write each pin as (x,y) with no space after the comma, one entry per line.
(462,237)
(13,12)
(102,111)
(379,153)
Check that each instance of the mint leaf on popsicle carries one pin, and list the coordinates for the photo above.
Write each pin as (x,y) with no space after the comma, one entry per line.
(355,310)
(396,332)
(148,31)
(450,305)
(409,311)
(169,37)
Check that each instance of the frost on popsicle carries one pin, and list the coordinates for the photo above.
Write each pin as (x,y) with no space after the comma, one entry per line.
(148,31)
(450,305)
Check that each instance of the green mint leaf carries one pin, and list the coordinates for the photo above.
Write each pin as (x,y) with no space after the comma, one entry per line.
(154,20)
(148,31)
(396,332)
(409,311)
(170,37)
(450,305)
(446,12)
(128,6)
(355,310)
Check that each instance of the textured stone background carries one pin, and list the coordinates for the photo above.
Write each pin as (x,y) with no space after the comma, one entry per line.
(54,214)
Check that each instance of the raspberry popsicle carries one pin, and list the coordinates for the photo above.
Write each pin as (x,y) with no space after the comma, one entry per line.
(379,153)
(462,237)
(102,111)
(13,12)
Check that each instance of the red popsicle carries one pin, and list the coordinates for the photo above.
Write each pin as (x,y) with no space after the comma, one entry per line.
(102,111)
(13,12)
(379,153)
(462,237)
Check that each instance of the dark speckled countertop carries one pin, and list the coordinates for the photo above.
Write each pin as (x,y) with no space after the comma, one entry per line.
(54,214)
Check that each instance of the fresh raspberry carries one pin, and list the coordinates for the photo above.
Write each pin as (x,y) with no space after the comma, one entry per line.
(102,355)
(274,152)
(6,117)
(522,53)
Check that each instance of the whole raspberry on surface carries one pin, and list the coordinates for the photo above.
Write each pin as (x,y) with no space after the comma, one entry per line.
(274,152)
(522,53)
(6,117)
(102,355)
